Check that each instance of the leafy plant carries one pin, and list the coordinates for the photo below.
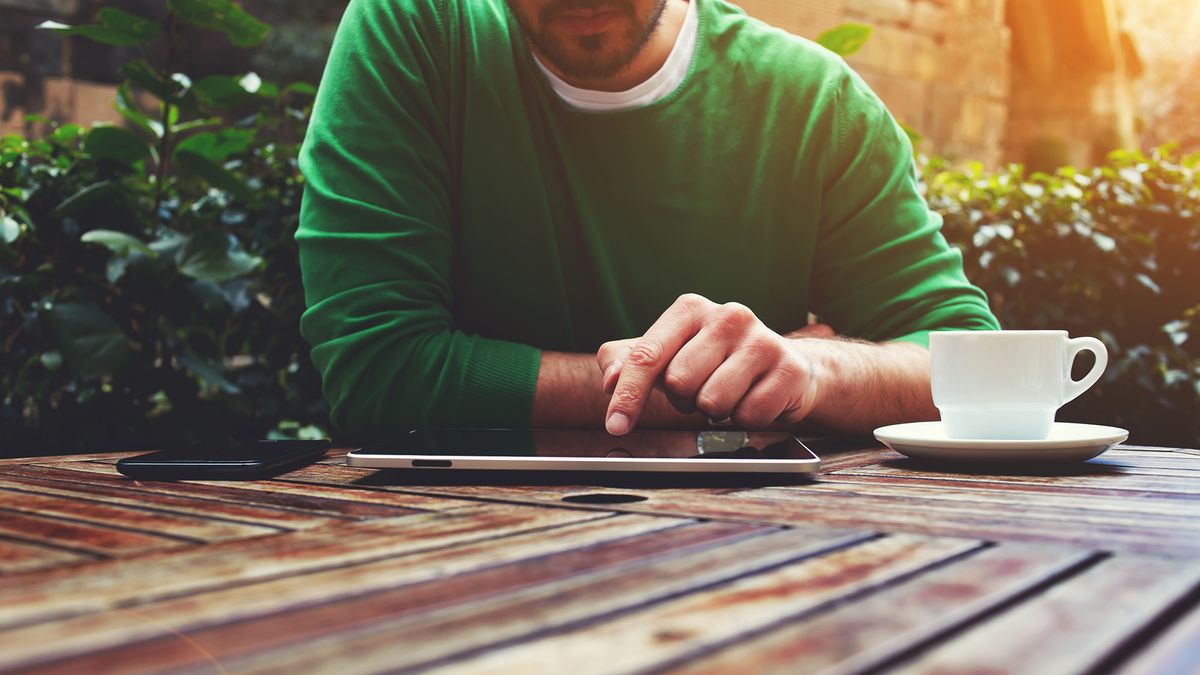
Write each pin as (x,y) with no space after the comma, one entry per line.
(1113,252)
(149,289)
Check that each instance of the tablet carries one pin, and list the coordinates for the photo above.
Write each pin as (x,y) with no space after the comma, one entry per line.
(708,451)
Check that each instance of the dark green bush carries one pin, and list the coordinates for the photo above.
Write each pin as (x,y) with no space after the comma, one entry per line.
(149,289)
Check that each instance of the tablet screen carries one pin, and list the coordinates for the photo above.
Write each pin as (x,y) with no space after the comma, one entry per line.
(708,444)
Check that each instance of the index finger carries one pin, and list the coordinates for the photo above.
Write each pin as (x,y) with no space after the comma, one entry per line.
(647,360)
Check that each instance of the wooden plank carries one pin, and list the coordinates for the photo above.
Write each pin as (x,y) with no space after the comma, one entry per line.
(393,589)
(1088,618)
(84,457)
(82,537)
(1092,509)
(672,631)
(110,494)
(348,500)
(1175,651)
(405,631)
(869,633)
(802,504)
(1084,498)
(1086,476)
(249,505)
(91,638)
(145,520)
(121,583)
(17,557)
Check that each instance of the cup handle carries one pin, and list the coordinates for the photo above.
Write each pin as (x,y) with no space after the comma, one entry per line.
(1076,387)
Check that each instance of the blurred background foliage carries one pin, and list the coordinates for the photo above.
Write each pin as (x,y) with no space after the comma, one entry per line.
(150,293)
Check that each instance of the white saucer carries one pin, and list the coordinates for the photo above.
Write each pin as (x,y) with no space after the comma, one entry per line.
(1068,442)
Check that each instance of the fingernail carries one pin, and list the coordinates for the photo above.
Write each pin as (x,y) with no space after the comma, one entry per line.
(618,424)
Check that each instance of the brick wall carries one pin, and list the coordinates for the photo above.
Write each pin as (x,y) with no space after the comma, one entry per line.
(941,66)
(63,100)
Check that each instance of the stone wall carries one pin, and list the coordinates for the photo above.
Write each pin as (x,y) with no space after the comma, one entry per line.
(941,66)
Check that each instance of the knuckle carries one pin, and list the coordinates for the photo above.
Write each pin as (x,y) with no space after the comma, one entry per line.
(627,397)
(675,380)
(712,406)
(647,353)
(738,313)
(762,348)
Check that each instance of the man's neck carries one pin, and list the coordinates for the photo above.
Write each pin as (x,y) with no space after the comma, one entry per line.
(646,63)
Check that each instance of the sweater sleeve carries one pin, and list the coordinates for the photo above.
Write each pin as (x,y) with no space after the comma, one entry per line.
(883,271)
(376,240)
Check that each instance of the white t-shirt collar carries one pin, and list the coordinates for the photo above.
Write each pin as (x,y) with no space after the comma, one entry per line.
(657,87)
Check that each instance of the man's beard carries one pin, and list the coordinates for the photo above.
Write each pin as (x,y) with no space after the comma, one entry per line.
(583,57)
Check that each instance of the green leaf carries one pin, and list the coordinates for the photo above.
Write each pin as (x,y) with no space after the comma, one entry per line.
(302,88)
(128,108)
(217,146)
(67,134)
(119,243)
(196,164)
(845,39)
(116,144)
(223,15)
(207,370)
(117,27)
(92,342)
(213,256)
(86,197)
(219,91)
(143,75)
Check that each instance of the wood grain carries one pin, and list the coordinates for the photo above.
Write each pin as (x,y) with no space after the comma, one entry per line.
(353,502)
(139,519)
(117,583)
(874,631)
(75,486)
(1102,607)
(675,630)
(83,537)
(1176,650)
(1087,476)
(303,504)
(149,630)
(16,557)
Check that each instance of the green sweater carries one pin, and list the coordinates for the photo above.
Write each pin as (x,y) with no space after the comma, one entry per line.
(458,217)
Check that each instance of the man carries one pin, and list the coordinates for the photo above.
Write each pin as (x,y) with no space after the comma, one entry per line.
(503,196)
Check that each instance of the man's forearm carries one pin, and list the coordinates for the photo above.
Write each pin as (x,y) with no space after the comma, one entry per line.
(570,394)
(867,385)
(863,386)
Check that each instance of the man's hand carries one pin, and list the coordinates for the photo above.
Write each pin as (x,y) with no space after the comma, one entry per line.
(718,359)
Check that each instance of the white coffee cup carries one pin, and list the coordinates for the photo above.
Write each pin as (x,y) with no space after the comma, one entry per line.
(1008,384)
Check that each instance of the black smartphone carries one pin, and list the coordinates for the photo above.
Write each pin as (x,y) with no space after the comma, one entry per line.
(259,459)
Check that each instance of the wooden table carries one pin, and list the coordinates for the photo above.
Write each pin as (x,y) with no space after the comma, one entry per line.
(880,564)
